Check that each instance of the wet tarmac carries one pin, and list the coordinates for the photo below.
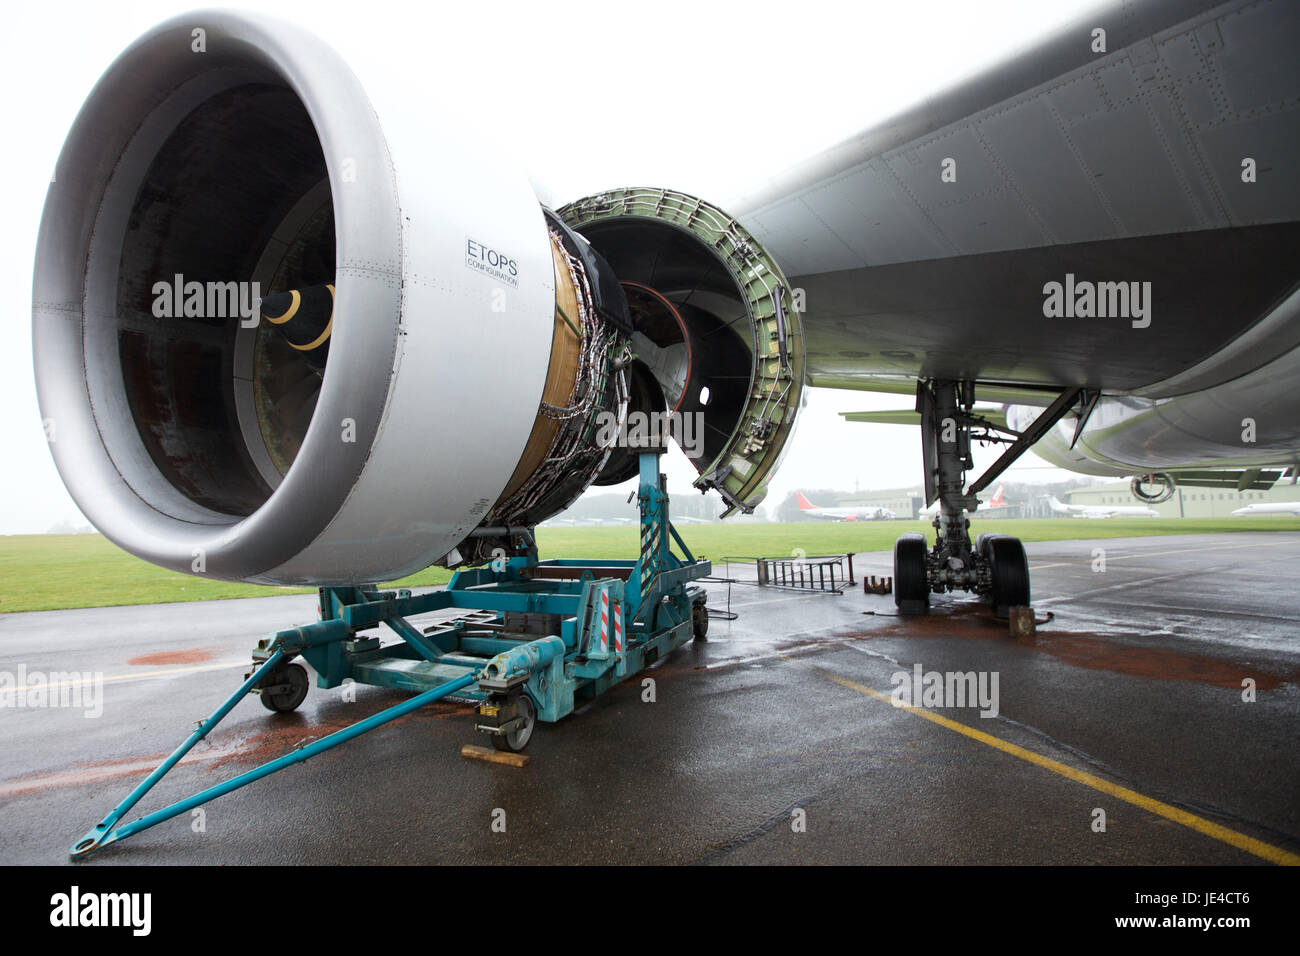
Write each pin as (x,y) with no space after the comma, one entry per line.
(777,741)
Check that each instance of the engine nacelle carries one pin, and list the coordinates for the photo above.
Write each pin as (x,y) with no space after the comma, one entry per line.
(1154,488)
(283,337)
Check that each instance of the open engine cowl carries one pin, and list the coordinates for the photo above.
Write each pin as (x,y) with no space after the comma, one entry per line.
(715,324)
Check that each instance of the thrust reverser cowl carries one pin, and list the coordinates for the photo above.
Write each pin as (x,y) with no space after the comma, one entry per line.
(206,440)
(716,323)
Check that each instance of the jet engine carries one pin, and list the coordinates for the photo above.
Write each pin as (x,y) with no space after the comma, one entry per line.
(291,329)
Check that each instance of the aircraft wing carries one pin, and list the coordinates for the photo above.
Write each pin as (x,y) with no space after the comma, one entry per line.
(1164,152)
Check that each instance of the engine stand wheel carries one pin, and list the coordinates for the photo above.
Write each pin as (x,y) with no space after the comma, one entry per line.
(516,740)
(285,688)
(700,621)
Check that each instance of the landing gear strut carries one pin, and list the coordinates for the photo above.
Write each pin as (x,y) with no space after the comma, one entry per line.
(995,568)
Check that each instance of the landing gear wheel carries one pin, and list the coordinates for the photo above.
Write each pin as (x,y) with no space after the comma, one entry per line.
(700,621)
(982,543)
(517,739)
(911,583)
(290,682)
(1010,570)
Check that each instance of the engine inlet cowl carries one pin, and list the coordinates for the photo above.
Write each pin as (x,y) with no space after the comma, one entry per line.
(202,439)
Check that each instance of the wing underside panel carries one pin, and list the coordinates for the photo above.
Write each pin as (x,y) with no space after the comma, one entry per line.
(1166,162)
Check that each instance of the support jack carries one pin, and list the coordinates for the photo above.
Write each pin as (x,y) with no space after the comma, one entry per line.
(536,640)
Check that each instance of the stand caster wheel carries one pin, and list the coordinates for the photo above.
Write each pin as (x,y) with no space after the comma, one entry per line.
(700,620)
(284,688)
(517,739)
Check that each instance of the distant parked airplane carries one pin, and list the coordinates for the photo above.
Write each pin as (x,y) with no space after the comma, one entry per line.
(864,513)
(1271,508)
(1101,511)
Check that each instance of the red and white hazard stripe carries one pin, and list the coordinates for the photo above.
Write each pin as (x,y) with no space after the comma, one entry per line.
(604,621)
(618,629)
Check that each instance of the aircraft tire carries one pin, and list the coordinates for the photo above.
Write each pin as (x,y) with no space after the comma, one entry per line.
(911,583)
(1010,568)
(982,543)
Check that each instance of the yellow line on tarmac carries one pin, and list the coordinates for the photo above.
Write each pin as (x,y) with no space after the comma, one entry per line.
(1201,825)
(180,670)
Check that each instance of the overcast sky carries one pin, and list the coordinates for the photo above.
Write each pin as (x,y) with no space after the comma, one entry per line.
(677,85)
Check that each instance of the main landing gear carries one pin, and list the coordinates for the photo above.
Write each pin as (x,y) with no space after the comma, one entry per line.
(995,566)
